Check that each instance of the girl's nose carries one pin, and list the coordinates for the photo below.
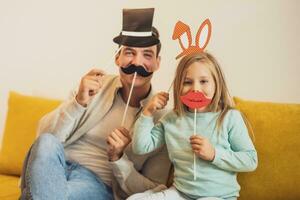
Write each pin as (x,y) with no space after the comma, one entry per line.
(196,87)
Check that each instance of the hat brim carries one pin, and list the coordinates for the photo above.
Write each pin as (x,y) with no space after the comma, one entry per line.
(132,41)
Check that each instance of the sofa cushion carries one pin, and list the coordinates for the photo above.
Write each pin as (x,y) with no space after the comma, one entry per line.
(9,189)
(277,140)
(22,119)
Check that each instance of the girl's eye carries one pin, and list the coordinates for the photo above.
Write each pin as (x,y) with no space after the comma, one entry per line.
(203,81)
(187,82)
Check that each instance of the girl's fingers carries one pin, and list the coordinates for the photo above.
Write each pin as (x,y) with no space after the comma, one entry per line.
(196,141)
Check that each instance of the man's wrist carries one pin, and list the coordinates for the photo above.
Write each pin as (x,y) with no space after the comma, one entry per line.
(82,104)
(115,157)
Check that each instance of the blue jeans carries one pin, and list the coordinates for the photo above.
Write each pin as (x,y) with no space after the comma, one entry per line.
(49,176)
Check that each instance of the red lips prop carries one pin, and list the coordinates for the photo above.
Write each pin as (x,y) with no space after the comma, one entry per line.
(195,100)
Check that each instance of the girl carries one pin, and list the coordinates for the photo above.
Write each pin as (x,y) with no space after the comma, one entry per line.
(221,142)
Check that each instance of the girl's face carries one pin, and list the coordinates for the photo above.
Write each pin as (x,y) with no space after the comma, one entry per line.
(199,78)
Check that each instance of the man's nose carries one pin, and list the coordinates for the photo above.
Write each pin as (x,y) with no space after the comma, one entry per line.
(137,60)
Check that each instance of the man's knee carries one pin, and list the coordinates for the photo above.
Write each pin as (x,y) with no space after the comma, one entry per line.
(47,145)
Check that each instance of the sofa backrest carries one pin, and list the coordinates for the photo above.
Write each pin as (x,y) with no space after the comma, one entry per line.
(276,129)
(22,119)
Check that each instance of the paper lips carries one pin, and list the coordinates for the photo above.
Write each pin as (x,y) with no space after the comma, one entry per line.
(195,100)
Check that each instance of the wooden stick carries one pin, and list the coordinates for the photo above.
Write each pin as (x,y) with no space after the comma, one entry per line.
(113,58)
(126,108)
(195,126)
(171,86)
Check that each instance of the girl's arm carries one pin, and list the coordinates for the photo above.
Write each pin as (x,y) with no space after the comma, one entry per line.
(242,156)
(147,137)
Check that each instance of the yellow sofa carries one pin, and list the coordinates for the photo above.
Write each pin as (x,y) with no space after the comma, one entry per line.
(277,140)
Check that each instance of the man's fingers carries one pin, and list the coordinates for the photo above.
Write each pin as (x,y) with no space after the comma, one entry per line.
(96,72)
(125,132)
(111,141)
(91,84)
(121,135)
(115,136)
(95,80)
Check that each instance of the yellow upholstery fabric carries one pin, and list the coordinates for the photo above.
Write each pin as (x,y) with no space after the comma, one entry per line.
(277,140)
(9,189)
(22,119)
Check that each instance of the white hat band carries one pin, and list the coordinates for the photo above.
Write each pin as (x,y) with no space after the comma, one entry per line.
(137,34)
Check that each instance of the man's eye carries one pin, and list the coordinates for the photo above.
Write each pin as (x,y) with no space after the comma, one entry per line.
(148,55)
(128,53)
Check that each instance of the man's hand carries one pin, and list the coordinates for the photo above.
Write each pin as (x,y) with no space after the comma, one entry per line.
(89,86)
(202,147)
(117,142)
(159,101)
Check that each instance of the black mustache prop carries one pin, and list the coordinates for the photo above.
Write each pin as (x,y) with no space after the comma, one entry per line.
(138,69)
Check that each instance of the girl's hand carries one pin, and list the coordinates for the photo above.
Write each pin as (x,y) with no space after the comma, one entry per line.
(202,147)
(159,101)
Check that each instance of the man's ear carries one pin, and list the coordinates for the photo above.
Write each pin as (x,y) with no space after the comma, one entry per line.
(117,59)
(157,63)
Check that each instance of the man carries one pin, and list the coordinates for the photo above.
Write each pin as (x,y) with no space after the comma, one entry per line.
(82,152)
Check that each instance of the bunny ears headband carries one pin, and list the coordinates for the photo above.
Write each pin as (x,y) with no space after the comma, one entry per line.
(181,28)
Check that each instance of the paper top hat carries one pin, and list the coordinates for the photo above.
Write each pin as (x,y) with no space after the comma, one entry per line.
(137,28)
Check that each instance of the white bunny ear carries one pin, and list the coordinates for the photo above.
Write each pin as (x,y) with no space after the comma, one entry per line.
(203,34)
(184,41)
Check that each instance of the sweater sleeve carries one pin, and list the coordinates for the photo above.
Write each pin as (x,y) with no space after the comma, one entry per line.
(147,137)
(62,121)
(242,156)
(128,177)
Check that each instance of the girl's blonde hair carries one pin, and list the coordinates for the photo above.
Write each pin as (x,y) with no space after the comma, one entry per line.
(221,101)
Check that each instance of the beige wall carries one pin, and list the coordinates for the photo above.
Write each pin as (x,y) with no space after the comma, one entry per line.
(46,46)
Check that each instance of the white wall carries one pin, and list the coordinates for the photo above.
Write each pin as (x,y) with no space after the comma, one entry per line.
(46,46)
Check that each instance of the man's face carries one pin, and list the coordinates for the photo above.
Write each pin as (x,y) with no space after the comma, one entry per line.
(139,56)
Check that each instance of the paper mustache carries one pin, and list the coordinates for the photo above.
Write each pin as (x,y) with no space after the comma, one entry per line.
(140,70)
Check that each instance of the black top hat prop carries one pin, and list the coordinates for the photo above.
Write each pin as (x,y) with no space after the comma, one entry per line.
(137,28)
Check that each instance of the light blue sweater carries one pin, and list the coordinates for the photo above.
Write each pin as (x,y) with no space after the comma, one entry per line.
(234,149)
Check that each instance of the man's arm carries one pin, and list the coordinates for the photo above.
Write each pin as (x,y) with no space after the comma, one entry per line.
(154,173)
(63,121)
(147,171)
